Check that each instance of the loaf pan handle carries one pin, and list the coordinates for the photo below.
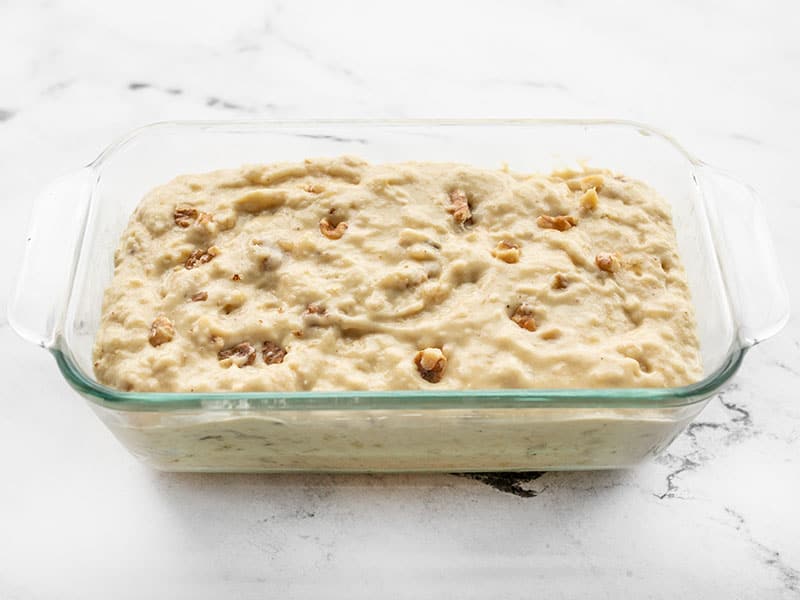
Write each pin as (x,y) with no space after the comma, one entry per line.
(37,303)
(758,293)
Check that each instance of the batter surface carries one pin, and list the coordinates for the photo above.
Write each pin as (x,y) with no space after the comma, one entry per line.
(336,274)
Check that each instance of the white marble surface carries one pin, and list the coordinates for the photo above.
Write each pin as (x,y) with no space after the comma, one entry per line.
(717,516)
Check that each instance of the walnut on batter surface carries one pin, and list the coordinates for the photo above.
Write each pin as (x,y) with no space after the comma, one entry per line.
(272,353)
(201,257)
(607,262)
(431,364)
(184,215)
(523,316)
(560,223)
(161,331)
(460,207)
(240,355)
(507,252)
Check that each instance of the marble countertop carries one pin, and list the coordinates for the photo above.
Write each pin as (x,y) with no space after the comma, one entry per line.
(716,516)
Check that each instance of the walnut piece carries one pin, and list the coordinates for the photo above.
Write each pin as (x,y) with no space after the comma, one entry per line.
(460,208)
(184,215)
(272,353)
(316,309)
(200,297)
(315,315)
(236,277)
(584,183)
(559,282)
(240,355)
(523,316)
(431,363)
(561,222)
(200,257)
(607,262)
(507,252)
(589,199)
(331,231)
(161,331)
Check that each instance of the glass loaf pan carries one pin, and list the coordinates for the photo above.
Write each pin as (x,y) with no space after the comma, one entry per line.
(721,235)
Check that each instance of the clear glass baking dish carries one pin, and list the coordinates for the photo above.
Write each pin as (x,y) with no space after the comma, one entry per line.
(738,293)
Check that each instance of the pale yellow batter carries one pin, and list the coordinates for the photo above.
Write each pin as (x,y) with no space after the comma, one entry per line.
(335,274)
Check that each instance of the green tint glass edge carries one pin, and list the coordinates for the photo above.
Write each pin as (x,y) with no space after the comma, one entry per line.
(641,398)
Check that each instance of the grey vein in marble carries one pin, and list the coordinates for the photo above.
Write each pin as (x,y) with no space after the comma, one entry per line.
(210,101)
(737,428)
(684,464)
(746,138)
(140,85)
(782,365)
(58,86)
(312,57)
(789,575)
(230,105)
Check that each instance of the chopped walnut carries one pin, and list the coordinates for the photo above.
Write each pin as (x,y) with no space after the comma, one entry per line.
(184,215)
(200,297)
(559,282)
(431,363)
(236,277)
(507,252)
(460,208)
(589,199)
(561,222)
(607,262)
(584,183)
(272,353)
(315,314)
(161,331)
(200,257)
(316,309)
(330,231)
(523,316)
(240,355)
